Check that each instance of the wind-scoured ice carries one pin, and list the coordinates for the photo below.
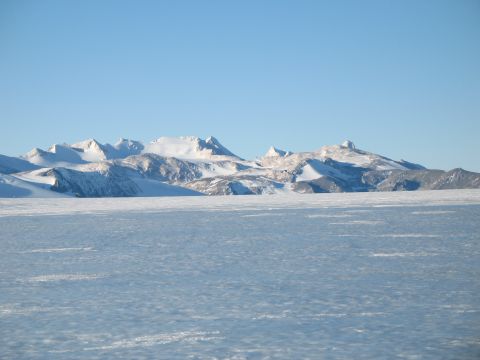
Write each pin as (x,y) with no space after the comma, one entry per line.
(341,276)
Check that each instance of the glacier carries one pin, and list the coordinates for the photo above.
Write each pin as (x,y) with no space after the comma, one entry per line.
(338,276)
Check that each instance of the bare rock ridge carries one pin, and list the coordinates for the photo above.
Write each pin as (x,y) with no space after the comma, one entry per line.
(189,165)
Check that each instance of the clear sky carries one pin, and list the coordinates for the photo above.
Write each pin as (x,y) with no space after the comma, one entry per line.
(399,78)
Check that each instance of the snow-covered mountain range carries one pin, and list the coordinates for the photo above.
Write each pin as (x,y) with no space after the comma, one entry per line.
(193,166)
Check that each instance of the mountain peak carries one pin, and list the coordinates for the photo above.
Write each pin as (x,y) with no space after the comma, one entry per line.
(217,148)
(348,144)
(274,152)
(212,140)
(127,143)
(207,166)
(89,144)
(34,152)
(188,147)
(91,150)
(126,147)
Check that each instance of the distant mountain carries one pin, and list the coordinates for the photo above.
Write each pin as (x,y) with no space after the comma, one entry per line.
(188,147)
(192,166)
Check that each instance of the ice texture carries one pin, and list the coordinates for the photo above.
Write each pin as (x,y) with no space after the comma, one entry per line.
(317,276)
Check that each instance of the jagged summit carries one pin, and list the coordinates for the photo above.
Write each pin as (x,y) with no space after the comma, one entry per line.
(87,144)
(126,147)
(91,150)
(212,140)
(213,143)
(274,152)
(188,147)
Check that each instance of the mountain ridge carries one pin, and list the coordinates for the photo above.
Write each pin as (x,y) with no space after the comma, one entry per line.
(189,165)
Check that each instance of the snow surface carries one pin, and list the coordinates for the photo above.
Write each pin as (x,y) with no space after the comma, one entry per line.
(187,147)
(90,150)
(36,177)
(242,277)
(10,164)
(346,154)
(12,187)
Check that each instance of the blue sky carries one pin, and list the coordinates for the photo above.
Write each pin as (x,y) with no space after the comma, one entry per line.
(399,78)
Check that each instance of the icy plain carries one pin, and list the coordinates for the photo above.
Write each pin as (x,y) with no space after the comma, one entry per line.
(334,276)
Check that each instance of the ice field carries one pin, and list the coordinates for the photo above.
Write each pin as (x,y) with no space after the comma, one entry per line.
(334,276)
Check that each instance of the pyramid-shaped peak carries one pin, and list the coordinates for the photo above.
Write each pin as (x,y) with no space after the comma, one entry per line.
(274,152)
(212,140)
(217,148)
(87,144)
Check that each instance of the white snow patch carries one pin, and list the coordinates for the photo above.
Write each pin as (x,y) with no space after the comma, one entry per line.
(408,235)
(65,277)
(161,339)
(433,212)
(187,147)
(263,214)
(13,309)
(359,222)
(402,254)
(327,216)
(13,187)
(271,316)
(36,177)
(308,173)
(335,315)
(60,250)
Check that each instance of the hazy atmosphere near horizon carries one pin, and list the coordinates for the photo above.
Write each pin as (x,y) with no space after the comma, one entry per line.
(398,78)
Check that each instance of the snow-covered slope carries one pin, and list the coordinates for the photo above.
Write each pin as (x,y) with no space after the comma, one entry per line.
(105,181)
(56,155)
(188,147)
(91,150)
(9,165)
(12,187)
(82,152)
(126,147)
(190,166)
(67,155)
(346,154)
